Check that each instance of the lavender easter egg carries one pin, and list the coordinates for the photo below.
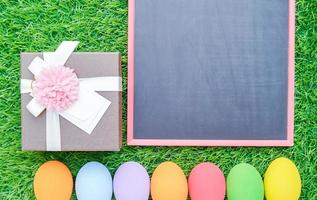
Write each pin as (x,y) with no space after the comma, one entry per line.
(207,182)
(131,181)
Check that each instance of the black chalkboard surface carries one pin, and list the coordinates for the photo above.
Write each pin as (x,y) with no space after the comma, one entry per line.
(211,72)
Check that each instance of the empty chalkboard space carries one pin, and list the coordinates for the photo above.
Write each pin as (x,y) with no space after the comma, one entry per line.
(211,72)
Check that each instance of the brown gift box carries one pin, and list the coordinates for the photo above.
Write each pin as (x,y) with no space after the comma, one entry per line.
(106,136)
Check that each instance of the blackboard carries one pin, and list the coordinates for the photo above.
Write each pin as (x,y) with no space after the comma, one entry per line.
(211,72)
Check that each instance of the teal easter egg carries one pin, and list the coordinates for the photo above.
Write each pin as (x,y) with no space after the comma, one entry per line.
(244,182)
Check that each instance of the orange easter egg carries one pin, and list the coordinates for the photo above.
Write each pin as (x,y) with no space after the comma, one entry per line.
(169,183)
(52,181)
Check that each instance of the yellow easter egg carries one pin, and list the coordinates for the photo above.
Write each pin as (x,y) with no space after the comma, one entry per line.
(282,180)
(169,183)
(52,181)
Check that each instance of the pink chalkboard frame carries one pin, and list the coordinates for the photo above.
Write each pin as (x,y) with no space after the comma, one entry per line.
(165,142)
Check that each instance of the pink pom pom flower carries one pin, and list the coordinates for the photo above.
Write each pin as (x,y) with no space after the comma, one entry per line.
(56,88)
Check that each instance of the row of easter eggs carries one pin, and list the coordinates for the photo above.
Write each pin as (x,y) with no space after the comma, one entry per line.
(53,180)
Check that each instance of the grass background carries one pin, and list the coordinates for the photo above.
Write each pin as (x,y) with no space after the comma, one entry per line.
(101,25)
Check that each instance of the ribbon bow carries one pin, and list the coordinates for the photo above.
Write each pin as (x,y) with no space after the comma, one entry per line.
(85,112)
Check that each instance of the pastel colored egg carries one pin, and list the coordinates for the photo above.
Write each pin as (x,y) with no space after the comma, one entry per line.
(131,181)
(207,182)
(93,182)
(282,180)
(169,182)
(53,180)
(244,182)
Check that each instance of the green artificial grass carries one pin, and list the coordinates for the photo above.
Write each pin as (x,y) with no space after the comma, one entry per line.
(101,25)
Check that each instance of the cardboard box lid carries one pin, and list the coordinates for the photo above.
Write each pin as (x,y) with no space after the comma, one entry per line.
(107,134)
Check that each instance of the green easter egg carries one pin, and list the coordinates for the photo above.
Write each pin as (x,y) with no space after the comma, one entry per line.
(244,182)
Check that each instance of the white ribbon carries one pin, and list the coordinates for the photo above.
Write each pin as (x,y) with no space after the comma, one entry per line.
(86,112)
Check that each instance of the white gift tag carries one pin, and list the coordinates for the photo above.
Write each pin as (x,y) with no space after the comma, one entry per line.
(86,112)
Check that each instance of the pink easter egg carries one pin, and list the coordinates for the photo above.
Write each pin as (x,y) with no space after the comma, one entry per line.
(207,182)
